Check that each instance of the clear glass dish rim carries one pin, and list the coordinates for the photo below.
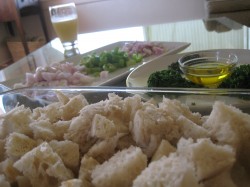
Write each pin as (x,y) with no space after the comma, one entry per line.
(184,64)
(134,90)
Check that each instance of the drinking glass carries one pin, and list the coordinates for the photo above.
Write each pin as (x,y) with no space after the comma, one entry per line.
(64,20)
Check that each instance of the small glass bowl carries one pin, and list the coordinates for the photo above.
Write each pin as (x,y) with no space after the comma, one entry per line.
(208,68)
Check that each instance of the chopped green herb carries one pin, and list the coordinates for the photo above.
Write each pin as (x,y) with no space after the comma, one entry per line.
(109,61)
(240,78)
(170,77)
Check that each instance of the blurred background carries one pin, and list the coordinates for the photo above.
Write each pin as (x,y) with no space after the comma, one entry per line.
(175,20)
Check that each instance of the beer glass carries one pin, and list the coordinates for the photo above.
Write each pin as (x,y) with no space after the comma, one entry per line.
(64,20)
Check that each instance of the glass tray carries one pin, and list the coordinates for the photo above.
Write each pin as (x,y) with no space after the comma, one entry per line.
(198,100)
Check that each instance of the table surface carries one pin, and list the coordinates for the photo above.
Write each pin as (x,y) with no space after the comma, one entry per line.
(219,33)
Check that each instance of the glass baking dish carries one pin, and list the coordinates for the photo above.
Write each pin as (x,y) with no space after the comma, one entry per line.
(126,137)
(198,100)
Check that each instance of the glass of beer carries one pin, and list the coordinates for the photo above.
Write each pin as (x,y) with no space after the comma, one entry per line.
(64,20)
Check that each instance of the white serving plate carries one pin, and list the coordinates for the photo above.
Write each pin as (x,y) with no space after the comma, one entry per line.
(171,48)
(139,76)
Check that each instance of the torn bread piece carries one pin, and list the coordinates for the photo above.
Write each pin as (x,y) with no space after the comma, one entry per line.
(62,98)
(121,169)
(51,112)
(130,106)
(174,171)
(9,171)
(102,127)
(68,152)
(189,129)
(17,120)
(86,168)
(112,109)
(73,106)
(79,129)
(175,108)
(151,120)
(103,150)
(229,125)
(164,149)
(208,158)
(72,183)
(43,129)
(18,144)
(60,128)
(76,183)
(43,167)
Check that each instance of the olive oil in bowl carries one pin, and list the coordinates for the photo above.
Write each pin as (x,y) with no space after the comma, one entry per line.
(208,74)
(208,69)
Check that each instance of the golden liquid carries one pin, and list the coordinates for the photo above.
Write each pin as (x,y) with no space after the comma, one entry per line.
(209,74)
(66,30)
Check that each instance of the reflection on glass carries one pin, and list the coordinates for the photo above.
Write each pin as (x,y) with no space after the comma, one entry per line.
(196,33)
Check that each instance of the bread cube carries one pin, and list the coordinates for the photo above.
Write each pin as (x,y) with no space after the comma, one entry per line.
(18,144)
(43,167)
(164,149)
(172,171)
(121,169)
(208,158)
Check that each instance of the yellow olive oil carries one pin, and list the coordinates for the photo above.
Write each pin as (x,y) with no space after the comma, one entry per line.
(209,74)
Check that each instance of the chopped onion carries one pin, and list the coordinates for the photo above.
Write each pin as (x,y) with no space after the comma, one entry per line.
(58,74)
